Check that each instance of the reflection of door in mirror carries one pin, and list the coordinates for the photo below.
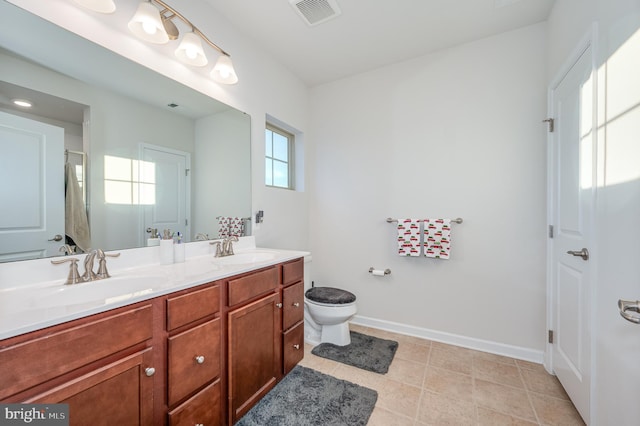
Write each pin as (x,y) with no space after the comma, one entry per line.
(165,190)
(31,172)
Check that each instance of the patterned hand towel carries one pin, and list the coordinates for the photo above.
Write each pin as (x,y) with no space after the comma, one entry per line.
(409,237)
(236,226)
(437,238)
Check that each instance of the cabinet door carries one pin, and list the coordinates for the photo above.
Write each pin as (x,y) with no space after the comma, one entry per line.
(120,393)
(254,353)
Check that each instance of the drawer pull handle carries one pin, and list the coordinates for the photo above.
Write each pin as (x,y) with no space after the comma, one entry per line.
(296,346)
(279,305)
(200,359)
(149,371)
(296,304)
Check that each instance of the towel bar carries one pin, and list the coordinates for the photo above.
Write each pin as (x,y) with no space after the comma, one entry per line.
(456,220)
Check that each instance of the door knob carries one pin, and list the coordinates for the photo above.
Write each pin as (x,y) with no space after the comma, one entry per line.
(57,237)
(627,306)
(584,253)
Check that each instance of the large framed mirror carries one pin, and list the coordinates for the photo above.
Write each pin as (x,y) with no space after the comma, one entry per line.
(147,152)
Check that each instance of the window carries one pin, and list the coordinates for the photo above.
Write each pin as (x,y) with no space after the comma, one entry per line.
(278,157)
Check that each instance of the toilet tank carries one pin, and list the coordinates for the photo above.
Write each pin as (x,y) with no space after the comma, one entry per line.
(307,272)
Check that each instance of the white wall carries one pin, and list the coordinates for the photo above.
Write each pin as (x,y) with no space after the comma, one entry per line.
(616,342)
(454,133)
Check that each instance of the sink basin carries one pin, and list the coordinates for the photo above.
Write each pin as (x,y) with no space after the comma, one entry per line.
(108,290)
(246,258)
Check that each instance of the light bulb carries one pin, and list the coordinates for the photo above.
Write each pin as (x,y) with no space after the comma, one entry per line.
(149,27)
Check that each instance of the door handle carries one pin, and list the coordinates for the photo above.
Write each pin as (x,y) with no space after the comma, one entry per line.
(57,237)
(627,306)
(584,253)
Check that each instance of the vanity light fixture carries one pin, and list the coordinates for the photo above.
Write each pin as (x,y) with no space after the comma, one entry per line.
(24,103)
(153,22)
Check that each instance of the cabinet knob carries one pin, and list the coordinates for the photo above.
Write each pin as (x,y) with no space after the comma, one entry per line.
(149,371)
(200,359)
(279,305)
(296,304)
(296,346)
(199,424)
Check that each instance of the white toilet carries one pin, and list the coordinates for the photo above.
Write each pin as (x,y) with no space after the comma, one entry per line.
(327,311)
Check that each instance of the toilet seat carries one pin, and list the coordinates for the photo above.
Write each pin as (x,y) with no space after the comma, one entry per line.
(329,296)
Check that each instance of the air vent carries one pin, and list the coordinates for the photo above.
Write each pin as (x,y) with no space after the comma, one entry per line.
(315,12)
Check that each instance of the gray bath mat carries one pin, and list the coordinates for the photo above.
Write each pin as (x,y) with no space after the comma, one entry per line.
(366,352)
(308,397)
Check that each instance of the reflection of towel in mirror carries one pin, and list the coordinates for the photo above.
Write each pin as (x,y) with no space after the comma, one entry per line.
(230,226)
(75,216)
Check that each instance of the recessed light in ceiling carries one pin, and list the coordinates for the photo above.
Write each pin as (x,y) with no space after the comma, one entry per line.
(22,103)
(314,12)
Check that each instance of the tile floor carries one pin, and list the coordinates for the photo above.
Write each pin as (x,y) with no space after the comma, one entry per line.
(432,383)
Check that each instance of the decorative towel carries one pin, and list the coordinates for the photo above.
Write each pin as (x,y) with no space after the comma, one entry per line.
(409,237)
(437,238)
(230,226)
(76,225)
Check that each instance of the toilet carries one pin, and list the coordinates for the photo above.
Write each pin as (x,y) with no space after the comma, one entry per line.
(327,311)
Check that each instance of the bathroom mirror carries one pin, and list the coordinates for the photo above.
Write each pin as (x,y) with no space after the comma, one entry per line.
(122,116)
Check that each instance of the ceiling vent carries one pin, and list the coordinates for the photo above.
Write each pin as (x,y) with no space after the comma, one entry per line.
(315,12)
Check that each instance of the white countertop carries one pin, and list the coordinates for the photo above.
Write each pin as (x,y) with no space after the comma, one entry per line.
(32,306)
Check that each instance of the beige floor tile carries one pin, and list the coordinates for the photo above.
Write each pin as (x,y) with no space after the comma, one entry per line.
(448,383)
(398,397)
(382,417)
(488,417)
(528,365)
(403,338)
(413,352)
(441,411)
(544,383)
(502,398)
(358,376)
(553,411)
(405,371)
(486,356)
(497,372)
(459,360)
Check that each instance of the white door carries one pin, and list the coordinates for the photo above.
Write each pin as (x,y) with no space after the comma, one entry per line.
(166,173)
(31,188)
(571,200)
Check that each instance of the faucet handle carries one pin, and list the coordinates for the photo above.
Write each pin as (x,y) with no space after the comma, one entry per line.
(218,248)
(74,276)
(102,265)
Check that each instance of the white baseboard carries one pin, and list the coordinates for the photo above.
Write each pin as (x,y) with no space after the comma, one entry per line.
(525,354)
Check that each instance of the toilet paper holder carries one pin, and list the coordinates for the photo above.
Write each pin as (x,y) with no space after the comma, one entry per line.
(379,272)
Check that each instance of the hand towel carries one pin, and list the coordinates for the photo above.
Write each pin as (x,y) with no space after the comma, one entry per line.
(223,227)
(437,238)
(76,225)
(408,237)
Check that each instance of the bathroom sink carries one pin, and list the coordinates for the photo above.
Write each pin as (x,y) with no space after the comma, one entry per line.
(246,258)
(108,290)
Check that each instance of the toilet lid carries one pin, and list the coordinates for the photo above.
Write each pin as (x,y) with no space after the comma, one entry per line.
(330,295)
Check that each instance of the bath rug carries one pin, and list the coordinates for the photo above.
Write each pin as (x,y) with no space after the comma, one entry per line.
(308,397)
(366,352)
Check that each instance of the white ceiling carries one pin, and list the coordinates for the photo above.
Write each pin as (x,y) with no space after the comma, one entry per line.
(369,34)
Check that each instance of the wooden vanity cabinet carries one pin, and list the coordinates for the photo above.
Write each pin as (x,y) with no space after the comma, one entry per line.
(101,365)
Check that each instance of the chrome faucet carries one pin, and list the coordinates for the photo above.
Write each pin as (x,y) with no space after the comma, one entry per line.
(225,247)
(75,277)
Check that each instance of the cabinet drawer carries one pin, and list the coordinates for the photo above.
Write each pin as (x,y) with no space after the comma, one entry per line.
(203,408)
(52,354)
(182,310)
(293,347)
(186,373)
(292,305)
(293,271)
(250,286)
